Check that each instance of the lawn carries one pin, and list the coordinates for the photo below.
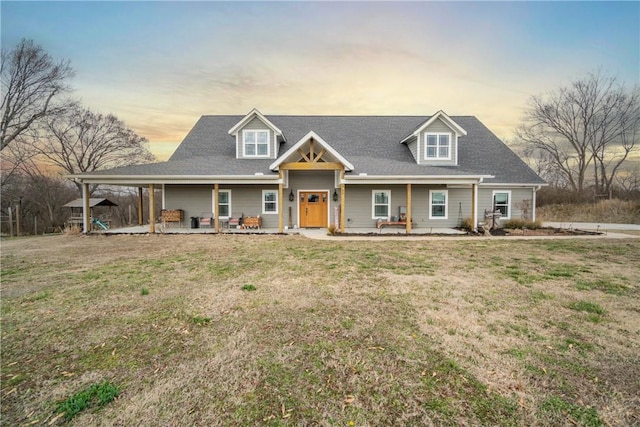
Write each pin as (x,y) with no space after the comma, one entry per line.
(283,330)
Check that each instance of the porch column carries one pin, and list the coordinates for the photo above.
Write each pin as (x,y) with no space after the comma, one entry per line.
(152,213)
(342,200)
(140,214)
(280,204)
(86,210)
(409,209)
(474,207)
(216,210)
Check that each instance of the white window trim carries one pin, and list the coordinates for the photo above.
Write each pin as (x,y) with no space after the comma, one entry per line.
(277,202)
(437,157)
(446,204)
(218,204)
(373,204)
(509,205)
(244,147)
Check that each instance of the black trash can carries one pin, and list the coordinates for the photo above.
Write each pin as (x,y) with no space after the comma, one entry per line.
(195,222)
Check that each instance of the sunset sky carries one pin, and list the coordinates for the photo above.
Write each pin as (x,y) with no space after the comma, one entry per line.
(159,66)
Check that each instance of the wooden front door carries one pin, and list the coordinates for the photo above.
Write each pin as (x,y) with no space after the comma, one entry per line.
(313,208)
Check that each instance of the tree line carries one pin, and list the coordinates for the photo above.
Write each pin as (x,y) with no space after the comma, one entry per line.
(45,133)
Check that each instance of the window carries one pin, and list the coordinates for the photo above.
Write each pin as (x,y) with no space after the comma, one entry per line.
(438,204)
(256,143)
(381,200)
(437,146)
(224,204)
(269,201)
(502,203)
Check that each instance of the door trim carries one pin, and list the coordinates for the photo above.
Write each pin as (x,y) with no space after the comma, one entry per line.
(313,191)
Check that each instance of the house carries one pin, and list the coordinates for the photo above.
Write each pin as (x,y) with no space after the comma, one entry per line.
(355,172)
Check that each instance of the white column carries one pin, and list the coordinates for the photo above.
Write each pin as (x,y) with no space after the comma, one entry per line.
(474,207)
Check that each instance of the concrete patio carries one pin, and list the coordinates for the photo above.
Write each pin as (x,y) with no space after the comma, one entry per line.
(144,229)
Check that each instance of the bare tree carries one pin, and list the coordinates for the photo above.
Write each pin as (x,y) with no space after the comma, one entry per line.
(586,123)
(83,141)
(32,85)
(619,136)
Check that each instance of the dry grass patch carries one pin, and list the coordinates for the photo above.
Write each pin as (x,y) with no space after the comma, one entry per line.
(605,211)
(281,330)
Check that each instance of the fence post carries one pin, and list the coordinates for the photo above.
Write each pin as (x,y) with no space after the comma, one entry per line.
(35,225)
(10,222)
(17,220)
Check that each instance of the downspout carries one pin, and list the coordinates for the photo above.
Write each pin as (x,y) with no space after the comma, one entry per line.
(474,204)
(534,202)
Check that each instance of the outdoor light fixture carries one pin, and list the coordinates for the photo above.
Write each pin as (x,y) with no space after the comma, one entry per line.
(291,196)
(335,196)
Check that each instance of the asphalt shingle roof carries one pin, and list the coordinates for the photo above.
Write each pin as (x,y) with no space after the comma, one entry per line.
(370,143)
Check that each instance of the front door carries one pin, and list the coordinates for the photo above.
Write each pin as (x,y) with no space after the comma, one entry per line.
(313,208)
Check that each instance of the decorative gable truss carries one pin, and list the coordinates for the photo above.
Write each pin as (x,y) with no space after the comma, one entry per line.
(256,137)
(311,152)
(435,142)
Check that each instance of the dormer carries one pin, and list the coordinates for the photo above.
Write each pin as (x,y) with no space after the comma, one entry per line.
(256,137)
(435,142)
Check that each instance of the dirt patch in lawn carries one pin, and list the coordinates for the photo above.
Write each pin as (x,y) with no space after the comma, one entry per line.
(283,330)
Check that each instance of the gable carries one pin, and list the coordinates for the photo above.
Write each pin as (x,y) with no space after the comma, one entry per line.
(311,148)
(256,137)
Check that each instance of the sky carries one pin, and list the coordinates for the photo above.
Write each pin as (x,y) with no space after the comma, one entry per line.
(160,65)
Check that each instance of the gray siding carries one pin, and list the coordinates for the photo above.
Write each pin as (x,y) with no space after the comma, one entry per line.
(194,200)
(413,147)
(440,127)
(359,207)
(518,195)
(257,124)
(247,200)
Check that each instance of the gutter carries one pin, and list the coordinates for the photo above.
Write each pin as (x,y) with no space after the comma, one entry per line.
(413,179)
(175,179)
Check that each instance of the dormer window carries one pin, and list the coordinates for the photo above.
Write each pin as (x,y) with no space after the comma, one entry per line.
(255,143)
(437,146)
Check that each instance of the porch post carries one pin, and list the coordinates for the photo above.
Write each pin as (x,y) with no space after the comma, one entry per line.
(152,213)
(280,204)
(409,209)
(342,200)
(140,214)
(474,207)
(86,210)
(216,211)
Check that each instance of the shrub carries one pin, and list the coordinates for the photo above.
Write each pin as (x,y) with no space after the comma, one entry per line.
(522,223)
(73,230)
(467,224)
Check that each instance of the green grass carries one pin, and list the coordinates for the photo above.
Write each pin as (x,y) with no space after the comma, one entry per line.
(248,287)
(588,307)
(563,411)
(96,395)
(609,286)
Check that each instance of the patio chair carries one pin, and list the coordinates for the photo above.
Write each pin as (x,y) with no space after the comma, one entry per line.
(234,222)
(206,219)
